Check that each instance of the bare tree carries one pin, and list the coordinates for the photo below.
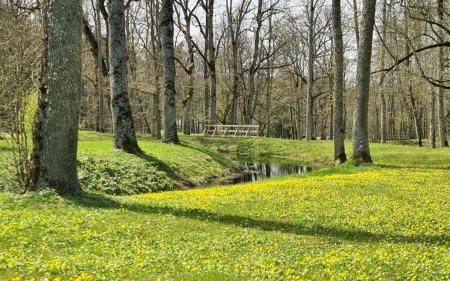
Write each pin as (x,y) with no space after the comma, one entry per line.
(441,113)
(309,98)
(360,140)
(432,131)
(189,66)
(167,27)
(211,60)
(338,101)
(235,25)
(155,36)
(100,121)
(382,98)
(123,124)
(20,44)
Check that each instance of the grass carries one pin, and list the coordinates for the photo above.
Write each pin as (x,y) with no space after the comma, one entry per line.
(387,221)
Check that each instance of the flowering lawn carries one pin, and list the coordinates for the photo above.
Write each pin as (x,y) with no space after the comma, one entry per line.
(378,222)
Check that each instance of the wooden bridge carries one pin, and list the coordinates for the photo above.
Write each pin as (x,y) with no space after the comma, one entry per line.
(232,130)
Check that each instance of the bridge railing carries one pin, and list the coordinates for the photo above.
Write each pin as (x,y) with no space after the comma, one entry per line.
(231,131)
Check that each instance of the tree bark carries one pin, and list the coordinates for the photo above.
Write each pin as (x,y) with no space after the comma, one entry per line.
(53,161)
(360,140)
(234,31)
(441,106)
(100,121)
(269,80)
(432,132)
(190,68)
(170,117)
(356,22)
(338,101)
(417,109)
(383,108)
(123,125)
(211,62)
(310,98)
(153,7)
(253,67)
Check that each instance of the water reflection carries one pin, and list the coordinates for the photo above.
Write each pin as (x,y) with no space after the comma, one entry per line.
(256,171)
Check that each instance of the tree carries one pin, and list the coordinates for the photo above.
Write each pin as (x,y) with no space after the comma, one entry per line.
(309,98)
(432,132)
(185,28)
(235,22)
(153,8)
(53,161)
(100,121)
(338,101)
(170,117)
(441,115)
(317,38)
(254,66)
(360,140)
(123,125)
(211,60)
(382,59)
(21,46)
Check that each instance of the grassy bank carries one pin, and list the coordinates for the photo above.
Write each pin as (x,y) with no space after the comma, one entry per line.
(387,221)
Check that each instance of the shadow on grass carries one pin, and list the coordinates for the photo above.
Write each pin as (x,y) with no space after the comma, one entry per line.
(413,166)
(89,200)
(217,156)
(161,166)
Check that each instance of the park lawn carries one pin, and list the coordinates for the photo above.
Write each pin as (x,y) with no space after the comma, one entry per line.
(387,221)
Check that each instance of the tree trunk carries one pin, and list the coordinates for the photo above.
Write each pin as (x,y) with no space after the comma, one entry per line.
(211,62)
(253,67)
(382,97)
(356,22)
(189,94)
(123,125)
(338,101)
(432,133)
(170,116)
(206,84)
(360,140)
(53,161)
(309,97)
(441,106)
(101,122)
(156,61)
(234,38)
(417,116)
(269,78)
(441,117)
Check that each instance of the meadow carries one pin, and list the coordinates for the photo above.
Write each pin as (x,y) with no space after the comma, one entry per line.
(386,221)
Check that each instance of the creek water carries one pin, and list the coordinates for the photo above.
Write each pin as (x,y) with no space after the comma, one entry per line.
(256,171)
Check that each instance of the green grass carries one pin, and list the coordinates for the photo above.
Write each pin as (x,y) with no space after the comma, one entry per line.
(387,221)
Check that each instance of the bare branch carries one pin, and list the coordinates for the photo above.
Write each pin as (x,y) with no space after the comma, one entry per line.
(384,43)
(405,58)
(127,5)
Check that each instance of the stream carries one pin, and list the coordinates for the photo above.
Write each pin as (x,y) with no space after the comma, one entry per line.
(253,171)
